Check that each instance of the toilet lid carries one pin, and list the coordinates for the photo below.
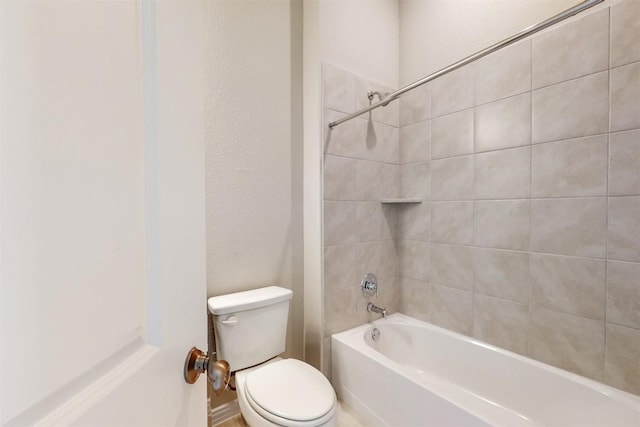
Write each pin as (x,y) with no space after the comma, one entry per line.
(291,389)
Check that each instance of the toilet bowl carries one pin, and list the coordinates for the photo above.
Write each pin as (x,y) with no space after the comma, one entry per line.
(250,332)
(285,392)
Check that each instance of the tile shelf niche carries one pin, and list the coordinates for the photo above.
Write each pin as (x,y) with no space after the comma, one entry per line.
(400,201)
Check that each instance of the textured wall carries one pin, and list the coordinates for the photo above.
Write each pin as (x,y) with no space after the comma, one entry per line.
(361,36)
(254,150)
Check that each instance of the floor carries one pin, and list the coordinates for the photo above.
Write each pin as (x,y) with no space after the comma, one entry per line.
(346,418)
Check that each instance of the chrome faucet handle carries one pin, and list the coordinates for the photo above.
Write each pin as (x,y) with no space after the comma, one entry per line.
(369,285)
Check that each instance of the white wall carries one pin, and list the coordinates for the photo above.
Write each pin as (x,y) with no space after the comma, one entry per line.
(254,149)
(361,36)
(436,33)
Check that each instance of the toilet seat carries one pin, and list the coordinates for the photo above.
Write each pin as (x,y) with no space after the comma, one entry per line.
(290,392)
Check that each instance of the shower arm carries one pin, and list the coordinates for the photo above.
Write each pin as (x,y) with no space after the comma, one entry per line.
(506,42)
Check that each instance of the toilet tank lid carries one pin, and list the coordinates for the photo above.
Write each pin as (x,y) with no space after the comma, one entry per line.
(247,300)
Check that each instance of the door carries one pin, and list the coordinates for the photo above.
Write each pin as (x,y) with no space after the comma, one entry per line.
(102,226)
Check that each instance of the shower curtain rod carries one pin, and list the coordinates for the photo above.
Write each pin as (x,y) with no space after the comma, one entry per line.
(506,42)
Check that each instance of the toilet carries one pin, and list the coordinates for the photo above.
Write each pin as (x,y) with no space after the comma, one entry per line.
(250,330)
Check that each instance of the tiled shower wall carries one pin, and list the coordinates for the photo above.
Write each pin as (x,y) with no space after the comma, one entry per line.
(530,158)
(360,168)
(528,162)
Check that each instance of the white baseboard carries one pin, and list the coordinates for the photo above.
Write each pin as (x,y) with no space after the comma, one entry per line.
(224,412)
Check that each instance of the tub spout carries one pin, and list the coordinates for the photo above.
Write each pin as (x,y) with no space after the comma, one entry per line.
(376,309)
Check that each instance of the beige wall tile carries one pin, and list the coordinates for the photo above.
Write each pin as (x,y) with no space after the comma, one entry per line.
(452,309)
(452,134)
(375,180)
(568,284)
(389,115)
(572,109)
(575,49)
(381,142)
(452,222)
(348,139)
(369,180)
(625,97)
(452,92)
(503,124)
(623,293)
(504,73)
(339,176)
(502,274)
(625,32)
(502,323)
(339,266)
(415,105)
(452,266)
(368,260)
(622,365)
(452,179)
(414,221)
(389,296)
(415,180)
(624,228)
(415,142)
(568,342)
(414,298)
(576,167)
(388,259)
(502,224)
(624,163)
(569,226)
(339,223)
(415,258)
(373,222)
(503,174)
(338,89)
(390,186)
(340,310)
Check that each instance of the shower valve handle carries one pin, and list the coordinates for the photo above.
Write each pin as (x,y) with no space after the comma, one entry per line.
(369,285)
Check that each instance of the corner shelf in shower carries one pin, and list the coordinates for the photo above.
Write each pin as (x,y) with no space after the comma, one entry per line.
(399,201)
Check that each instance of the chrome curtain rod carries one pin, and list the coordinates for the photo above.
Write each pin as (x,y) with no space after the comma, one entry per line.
(506,42)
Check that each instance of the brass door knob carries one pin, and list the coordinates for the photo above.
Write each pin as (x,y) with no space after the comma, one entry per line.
(194,365)
(218,372)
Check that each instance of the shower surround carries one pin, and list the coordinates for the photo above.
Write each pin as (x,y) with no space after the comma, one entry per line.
(528,162)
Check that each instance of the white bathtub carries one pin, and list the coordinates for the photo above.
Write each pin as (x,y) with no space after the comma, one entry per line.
(417,374)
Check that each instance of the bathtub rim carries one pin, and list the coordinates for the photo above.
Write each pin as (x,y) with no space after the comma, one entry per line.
(348,337)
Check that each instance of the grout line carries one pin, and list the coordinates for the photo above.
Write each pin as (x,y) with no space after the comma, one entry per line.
(529,288)
(473,208)
(575,138)
(520,251)
(573,79)
(520,199)
(606,237)
(359,159)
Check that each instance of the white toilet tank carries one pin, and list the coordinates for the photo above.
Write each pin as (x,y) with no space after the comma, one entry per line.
(251,326)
